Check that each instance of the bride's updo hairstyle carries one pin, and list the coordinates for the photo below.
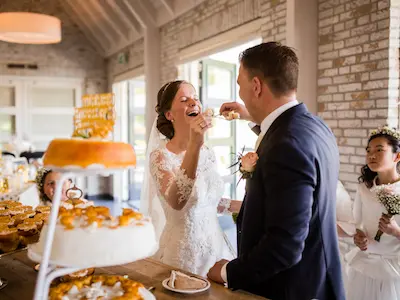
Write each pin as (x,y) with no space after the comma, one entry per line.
(165,97)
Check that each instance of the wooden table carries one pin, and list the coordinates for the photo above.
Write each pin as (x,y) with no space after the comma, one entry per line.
(18,270)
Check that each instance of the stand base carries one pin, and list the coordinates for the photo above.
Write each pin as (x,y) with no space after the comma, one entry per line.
(3,283)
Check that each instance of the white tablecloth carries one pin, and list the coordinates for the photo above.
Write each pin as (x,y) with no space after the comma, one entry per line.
(28,195)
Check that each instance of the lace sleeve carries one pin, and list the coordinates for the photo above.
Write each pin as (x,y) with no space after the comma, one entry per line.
(224,205)
(170,183)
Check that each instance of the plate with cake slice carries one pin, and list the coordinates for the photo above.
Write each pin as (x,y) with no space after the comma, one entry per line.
(181,283)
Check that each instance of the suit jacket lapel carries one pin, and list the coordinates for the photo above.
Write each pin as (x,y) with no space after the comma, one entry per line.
(282,119)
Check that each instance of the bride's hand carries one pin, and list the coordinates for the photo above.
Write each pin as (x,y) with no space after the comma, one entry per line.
(198,126)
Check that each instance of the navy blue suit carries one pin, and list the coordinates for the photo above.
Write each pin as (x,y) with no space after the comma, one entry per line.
(287,238)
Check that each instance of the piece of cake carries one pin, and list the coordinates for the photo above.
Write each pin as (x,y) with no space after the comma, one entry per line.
(91,237)
(88,153)
(181,281)
(232,115)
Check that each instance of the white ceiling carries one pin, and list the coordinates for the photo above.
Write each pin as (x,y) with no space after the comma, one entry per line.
(111,25)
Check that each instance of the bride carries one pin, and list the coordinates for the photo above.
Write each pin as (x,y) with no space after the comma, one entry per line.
(182,189)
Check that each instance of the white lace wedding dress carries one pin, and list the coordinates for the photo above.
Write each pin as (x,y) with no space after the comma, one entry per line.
(192,238)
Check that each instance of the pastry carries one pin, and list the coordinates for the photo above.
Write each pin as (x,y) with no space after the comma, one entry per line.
(28,232)
(181,281)
(9,239)
(99,287)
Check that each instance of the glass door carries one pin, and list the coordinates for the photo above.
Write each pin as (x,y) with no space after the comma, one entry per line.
(218,85)
(137,136)
(8,111)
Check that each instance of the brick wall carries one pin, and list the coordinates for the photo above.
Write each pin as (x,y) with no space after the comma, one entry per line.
(353,76)
(73,57)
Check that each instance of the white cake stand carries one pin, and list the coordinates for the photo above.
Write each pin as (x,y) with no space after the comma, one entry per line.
(49,270)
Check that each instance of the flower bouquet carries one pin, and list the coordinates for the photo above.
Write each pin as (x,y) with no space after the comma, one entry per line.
(391,201)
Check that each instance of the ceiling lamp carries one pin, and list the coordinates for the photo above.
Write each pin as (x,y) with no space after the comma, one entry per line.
(29,28)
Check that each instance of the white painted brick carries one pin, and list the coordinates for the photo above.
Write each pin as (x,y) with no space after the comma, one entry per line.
(326,13)
(363,20)
(379,35)
(344,70)
(325,115)
(339,9)
(324,98)
(324,81)
(373,123)
(344,158)
(337,131)
(338,97)
(338,106)
(345,114)
(376,84)
(355,132)
(349,141)
(361,151)
(347,150)
(362,114)
(356,40)
(381,103)
(349,177)
(332,123)
(325,64)
(328,21)
(349,123)
(378,113)
(350,87)
(346,168)
(351,51)
(379,74)
(338,27)
(379,55)
(329,55)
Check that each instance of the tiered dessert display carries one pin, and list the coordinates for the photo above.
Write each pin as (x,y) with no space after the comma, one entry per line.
(80,237)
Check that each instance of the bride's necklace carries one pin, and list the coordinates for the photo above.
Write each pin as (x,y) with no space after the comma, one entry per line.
(389,183)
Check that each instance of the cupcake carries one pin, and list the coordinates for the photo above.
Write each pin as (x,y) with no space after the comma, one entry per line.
(18,219)
(26,207)
(28,232)
(9,239)
(5,212)
(6,221)
(16,210)
(42,208)
(39,219)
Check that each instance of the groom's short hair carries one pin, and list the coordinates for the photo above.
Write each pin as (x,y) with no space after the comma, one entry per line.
(277,65)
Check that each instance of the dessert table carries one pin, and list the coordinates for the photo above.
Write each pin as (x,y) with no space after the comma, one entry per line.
(27,195)
(18,269)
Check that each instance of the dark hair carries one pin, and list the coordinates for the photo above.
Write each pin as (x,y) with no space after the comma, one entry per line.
(367,175)
(40,180)
(165,97)
(277,65)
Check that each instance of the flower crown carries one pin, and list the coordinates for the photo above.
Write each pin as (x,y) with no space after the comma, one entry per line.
(387,131)
(41,173)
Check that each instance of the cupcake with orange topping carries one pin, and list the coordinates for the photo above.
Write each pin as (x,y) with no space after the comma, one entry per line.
(28,232)
(9,238)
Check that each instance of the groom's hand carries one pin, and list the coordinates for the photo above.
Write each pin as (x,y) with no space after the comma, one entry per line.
(237,107)
(215,272)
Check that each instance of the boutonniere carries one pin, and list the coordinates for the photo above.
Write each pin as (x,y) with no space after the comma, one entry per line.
(247,164)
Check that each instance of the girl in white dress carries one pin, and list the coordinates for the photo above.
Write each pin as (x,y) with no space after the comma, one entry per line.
(188,188)
(374,267)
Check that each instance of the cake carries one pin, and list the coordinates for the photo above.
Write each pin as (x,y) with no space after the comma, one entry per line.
(181,281)
(90,237)
(87,153)
(232,115)
(106,287)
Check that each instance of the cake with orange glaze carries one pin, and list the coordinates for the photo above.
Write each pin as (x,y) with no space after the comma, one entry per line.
(90,237)
(89,153)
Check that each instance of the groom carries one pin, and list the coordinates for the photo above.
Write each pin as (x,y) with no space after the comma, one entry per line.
(286,228)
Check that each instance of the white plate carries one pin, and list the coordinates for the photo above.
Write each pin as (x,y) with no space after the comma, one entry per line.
(165,285)
(147,295)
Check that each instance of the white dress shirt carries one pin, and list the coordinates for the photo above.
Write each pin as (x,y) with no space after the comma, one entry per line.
(265,125)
